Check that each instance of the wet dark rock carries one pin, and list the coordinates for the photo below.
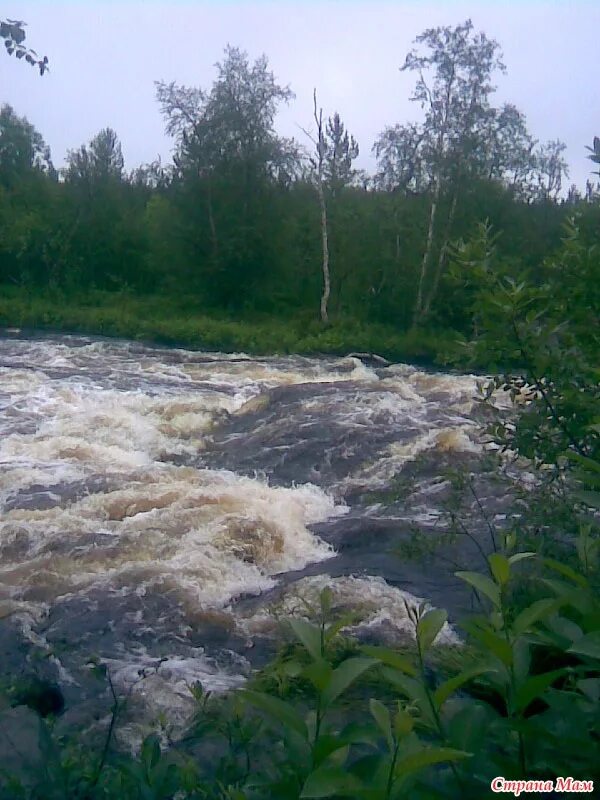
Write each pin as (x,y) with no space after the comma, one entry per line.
(292,443)
(21,754)
(15,544)
(22,663)
(14,649)
(41,696)
(384,633)
(351,533)
(331,434)
(38,497)
(87,720)
(370,359)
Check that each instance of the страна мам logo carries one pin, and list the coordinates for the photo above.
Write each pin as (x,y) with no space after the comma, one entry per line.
(504,786)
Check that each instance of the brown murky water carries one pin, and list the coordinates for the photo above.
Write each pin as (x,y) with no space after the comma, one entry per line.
(146,491)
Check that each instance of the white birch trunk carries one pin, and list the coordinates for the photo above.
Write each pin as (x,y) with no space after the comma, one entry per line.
(442,257)
(418,311)
(325,244)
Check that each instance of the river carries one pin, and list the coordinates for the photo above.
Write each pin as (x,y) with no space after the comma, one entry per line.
(164,508)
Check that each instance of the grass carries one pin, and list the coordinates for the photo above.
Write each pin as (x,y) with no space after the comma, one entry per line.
(165,321)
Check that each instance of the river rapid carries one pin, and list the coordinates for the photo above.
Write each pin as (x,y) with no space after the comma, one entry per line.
(163,509)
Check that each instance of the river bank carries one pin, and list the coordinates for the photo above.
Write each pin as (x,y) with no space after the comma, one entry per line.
(162,321)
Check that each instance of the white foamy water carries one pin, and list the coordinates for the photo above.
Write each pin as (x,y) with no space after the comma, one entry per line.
(370,601)
(111,484)
(209,535)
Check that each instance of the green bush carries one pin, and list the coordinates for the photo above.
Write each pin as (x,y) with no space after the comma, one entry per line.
(527,706)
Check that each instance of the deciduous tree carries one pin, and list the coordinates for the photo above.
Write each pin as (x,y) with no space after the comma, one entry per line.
(22,147)
(101,160)
(550,169)
(228,160)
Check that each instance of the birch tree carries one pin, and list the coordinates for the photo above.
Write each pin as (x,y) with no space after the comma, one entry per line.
(550,169)
(454,67)
(341,149)
(228,155)
(331,166)
(317,161)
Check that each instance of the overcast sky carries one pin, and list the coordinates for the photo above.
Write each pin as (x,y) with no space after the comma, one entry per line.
(105,56)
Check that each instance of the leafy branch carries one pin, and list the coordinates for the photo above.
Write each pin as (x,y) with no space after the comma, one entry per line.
(13,33)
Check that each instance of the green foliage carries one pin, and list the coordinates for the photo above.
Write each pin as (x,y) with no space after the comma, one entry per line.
(177,322)
(233,226)
(12,31)
(527,705)
(544,339)
(595,151)
(538,331)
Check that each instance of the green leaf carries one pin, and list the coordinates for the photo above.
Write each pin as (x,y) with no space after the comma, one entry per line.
(330,780)
(587,548)
(521,659)
(331,747)
(374,770)
(309,635)
(469,728)
(390,658)
(150,753)
(278,709)
(332,630)
(482,584)
(444,690)
(516,557)
(326,598)
(359,733)
(589,463)
(318,673)
(564,627)
(412,689)
(429,626)
(589,498)
(500,567)
(588,645)
(537,611)
(415,762)
(494,643)
(347,672)
(560,588)
(403,723)
(565,570)
(534,687)
(590,687)
(291,668)
(382,717)
(592,481)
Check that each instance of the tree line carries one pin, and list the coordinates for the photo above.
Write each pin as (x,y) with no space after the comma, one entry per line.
(245,221)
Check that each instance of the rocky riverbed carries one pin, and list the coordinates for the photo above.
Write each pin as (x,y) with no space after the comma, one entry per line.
(163,509)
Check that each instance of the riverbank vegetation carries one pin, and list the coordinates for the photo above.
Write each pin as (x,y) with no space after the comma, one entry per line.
(177,323)
(526,707)
(246,225)
(234,227)
(333,718)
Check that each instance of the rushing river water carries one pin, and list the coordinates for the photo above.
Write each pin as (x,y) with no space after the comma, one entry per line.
(168,504)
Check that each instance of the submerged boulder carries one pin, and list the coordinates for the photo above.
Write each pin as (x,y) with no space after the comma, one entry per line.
(21,755)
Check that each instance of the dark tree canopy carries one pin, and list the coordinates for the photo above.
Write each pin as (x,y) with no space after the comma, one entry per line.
(100,160)
(22,147)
